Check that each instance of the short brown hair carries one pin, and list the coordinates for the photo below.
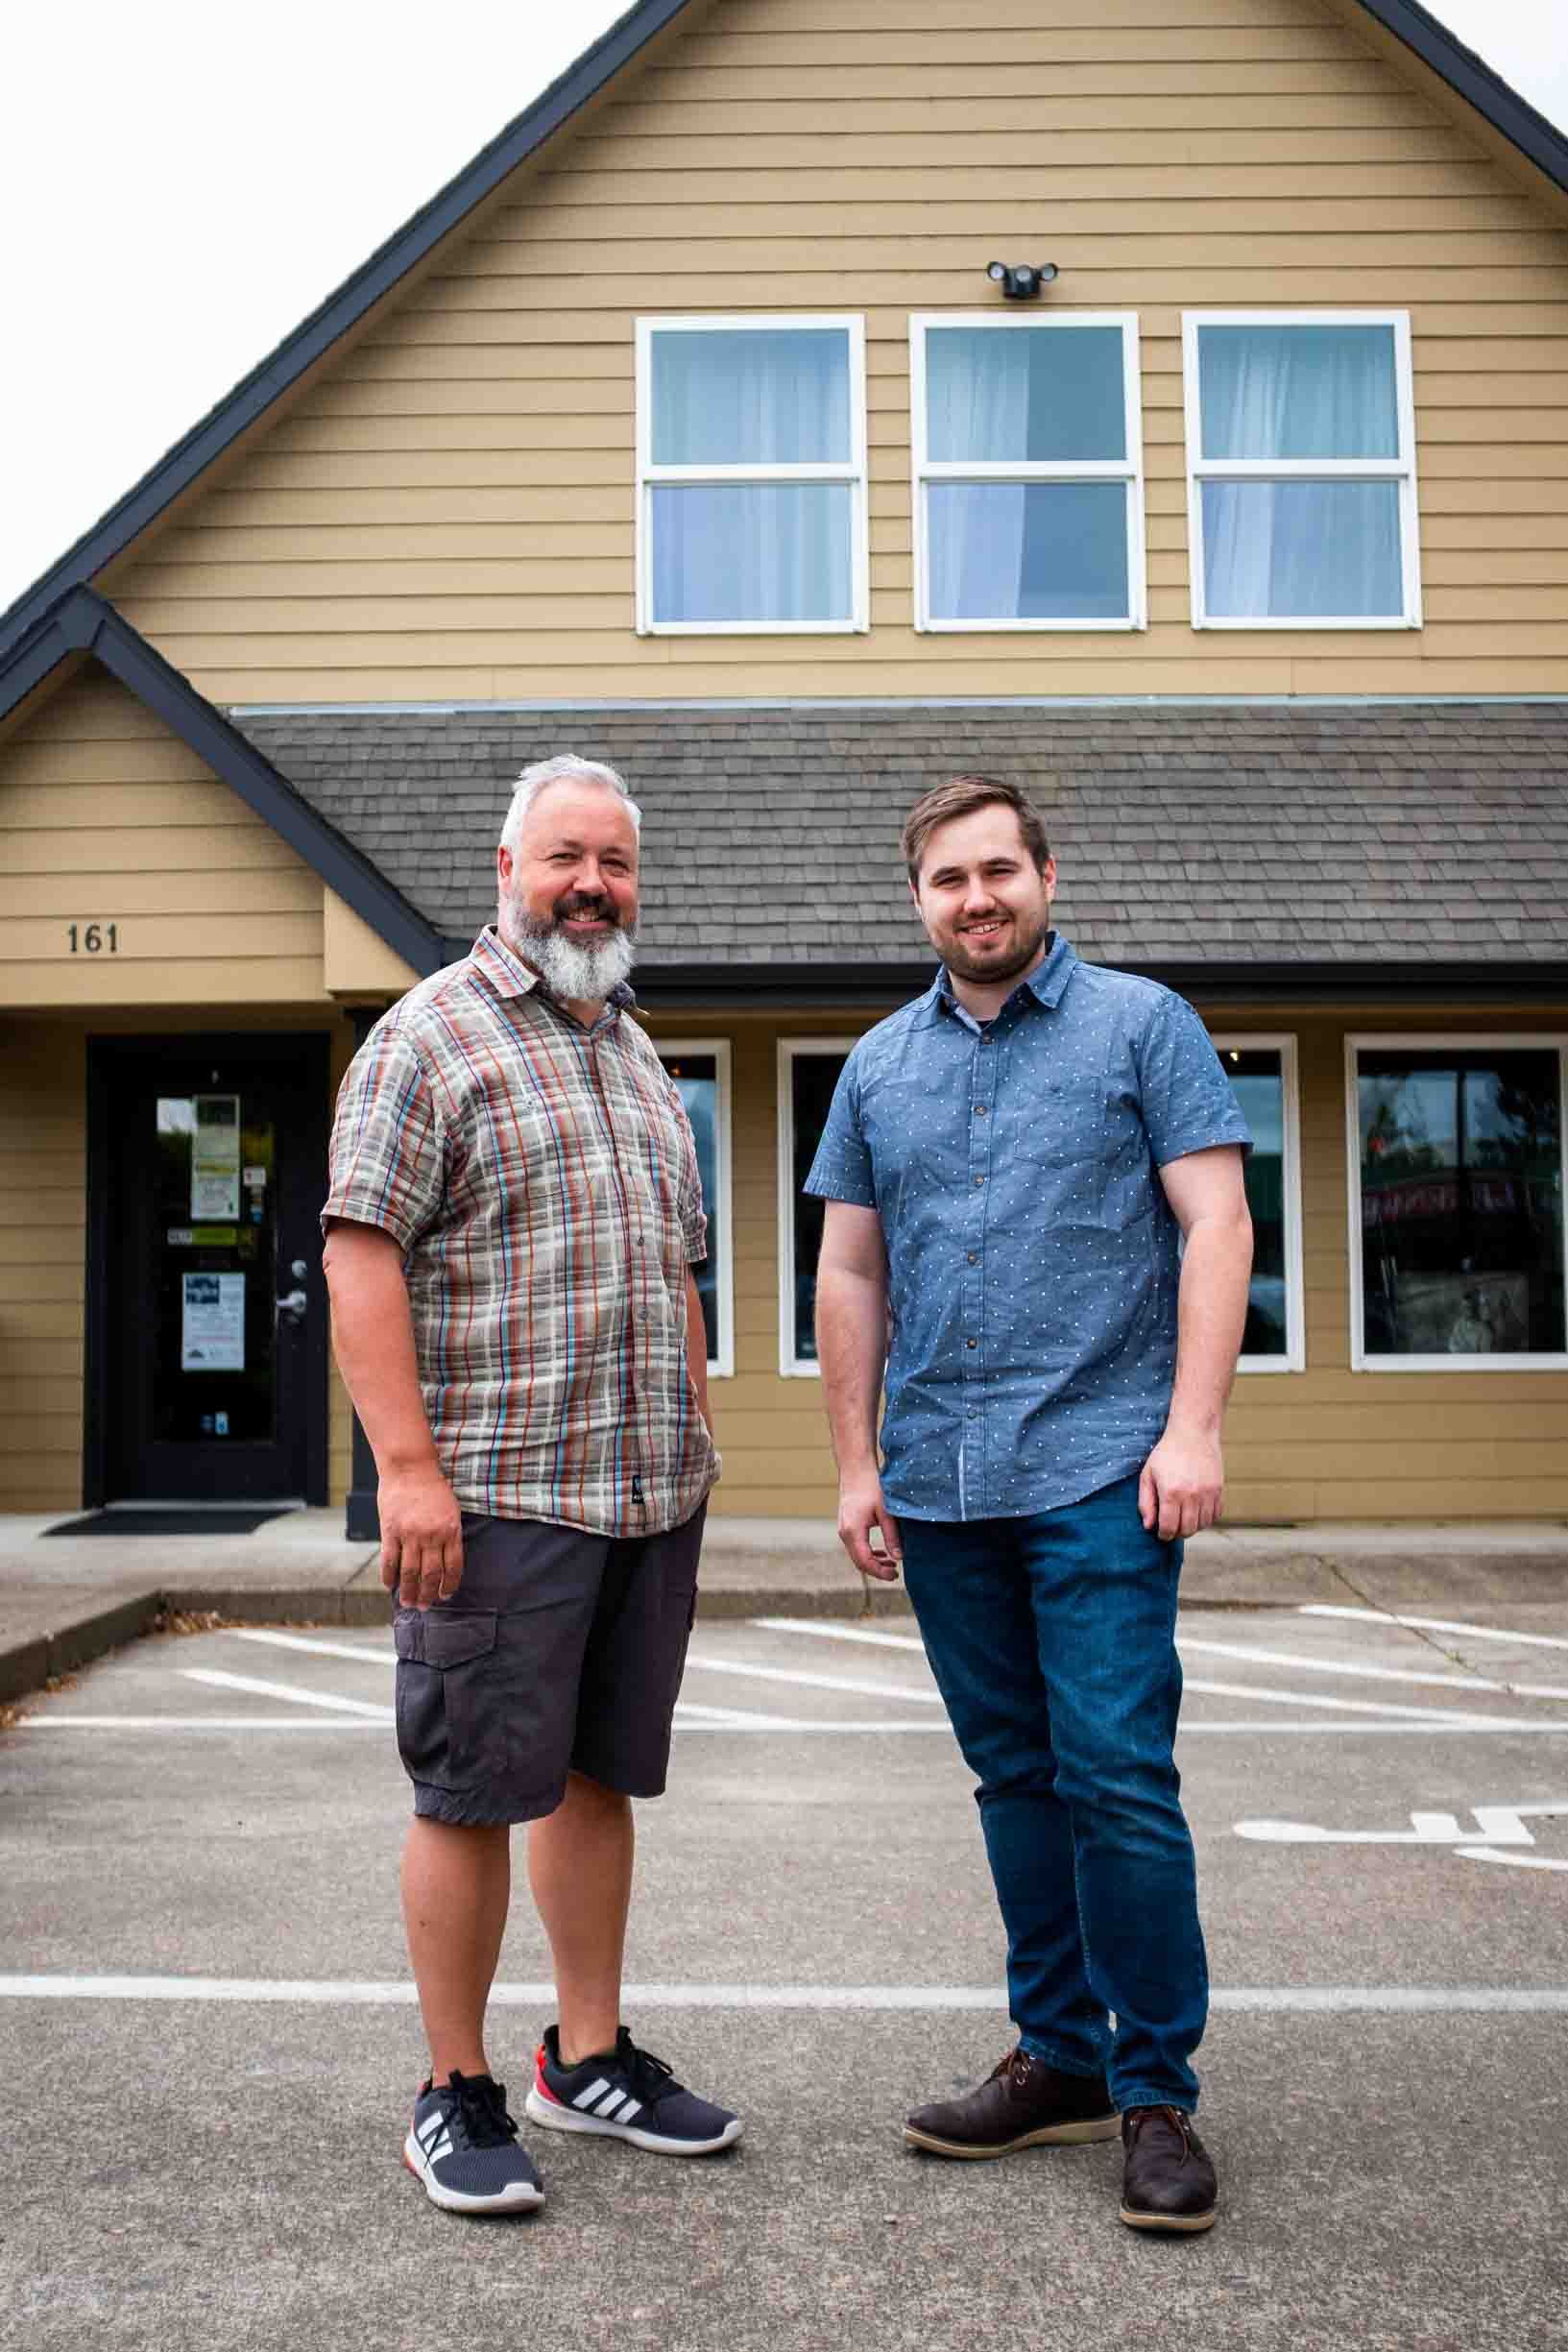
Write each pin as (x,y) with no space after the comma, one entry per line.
(961,798)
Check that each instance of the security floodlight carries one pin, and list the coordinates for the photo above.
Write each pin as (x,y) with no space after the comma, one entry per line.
(1021,280)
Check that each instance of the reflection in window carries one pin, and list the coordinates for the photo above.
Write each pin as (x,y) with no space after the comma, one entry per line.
(812,1076)
(1257,1079)
(1460,1171)
(697,1082)
(752,441)
(1026,452)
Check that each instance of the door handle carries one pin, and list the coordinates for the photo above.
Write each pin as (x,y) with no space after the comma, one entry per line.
(293,1304)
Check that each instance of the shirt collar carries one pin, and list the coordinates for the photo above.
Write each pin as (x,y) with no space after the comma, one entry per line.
(511,977)
(1047,983)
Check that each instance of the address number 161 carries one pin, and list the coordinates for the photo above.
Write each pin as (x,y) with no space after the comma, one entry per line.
(94,938)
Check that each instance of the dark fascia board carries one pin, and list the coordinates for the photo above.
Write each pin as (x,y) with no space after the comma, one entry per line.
(82,623)
(1502,107)
(403,251)
(1537,138)
(790,986)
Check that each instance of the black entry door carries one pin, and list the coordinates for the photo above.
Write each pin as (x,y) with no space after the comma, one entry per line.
(211,1362)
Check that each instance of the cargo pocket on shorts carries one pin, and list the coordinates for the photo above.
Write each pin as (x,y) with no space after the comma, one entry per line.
(447,1725)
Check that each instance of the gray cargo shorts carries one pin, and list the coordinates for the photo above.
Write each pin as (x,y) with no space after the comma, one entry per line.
(559,1651)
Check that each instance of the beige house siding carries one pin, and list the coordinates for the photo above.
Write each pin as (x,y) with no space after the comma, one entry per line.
(43,1153)
(447,514)
(1323,1445)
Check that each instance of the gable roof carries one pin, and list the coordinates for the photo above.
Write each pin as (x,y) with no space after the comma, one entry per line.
(1518,122)
(81,626)
(1293,849)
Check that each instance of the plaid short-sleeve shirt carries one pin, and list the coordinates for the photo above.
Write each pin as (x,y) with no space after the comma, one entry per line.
(542,1181)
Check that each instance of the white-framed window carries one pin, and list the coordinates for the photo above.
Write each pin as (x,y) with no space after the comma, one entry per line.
(1263,1073)
(1456,1181)
(751,475)
(700,1067)
(1301,470)
(1028,490)
(809,1071)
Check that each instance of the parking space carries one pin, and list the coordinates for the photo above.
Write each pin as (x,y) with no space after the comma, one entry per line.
(205,2002)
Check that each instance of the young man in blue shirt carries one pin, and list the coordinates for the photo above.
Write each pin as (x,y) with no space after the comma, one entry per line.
(1033,1179)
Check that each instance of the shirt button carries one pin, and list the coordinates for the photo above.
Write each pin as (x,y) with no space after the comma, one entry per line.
(979,1110)
(973,1257)
(971,1342)
(979,1179)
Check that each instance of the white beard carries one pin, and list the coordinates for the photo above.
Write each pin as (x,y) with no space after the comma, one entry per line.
(576,975)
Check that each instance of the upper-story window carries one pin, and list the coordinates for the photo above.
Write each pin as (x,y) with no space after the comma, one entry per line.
(1301,470)
(751,474)
(1027,472)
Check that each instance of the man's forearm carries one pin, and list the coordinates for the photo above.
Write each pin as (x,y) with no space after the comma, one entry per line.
(373,1339)
(696,1346)
(1210,1313)
(852,1350)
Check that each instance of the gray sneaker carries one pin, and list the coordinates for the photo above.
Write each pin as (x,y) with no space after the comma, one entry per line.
(464,2146)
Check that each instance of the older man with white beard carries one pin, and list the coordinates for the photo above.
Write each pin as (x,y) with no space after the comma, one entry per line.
(513,1216)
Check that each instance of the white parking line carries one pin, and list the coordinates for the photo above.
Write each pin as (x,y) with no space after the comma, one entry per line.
(826,1628)
(1312,1701)
(1388,2000)
(285,1690)
(1371,1674)
(1431,1625)
(814,1681)
(358,1652)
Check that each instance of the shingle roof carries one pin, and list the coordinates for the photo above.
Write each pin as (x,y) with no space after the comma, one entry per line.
(1207,835)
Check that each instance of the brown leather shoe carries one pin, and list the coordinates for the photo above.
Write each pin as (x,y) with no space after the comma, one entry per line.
(1021,2103)
(1168,2181)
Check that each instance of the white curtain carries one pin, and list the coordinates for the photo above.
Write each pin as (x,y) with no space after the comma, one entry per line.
(1275,550)
(760,551)
(977,406)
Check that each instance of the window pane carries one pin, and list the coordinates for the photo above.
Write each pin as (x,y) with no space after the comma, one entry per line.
(1001,394)
(751,551)
(1028,550)
(696,1076)
(780,396)
(1270,391)
(1302,550)
(1462,1202)
(1257,1079)
(812,1078)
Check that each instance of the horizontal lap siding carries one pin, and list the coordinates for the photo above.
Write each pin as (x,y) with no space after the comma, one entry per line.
(448,515)
(1326,1444)
(42,1254)
(107,818)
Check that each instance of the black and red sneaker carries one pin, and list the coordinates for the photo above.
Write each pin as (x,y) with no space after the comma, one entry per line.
(626,2094)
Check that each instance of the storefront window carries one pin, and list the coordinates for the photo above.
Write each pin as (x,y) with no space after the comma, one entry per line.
(702,1075)
(1262,1072)
(1459,1202)
(809,1071)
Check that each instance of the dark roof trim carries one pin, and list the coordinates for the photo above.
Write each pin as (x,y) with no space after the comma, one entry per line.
(784,987)
(1537,138)
(1502,107)
(82,623)
(403,251)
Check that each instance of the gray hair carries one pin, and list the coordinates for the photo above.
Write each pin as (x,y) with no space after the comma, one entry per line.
(565,767)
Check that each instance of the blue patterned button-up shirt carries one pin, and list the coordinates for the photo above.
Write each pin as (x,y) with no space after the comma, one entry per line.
(1032,1254)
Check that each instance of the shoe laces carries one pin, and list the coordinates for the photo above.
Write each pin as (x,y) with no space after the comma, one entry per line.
(481,2104)
(1171,2117)
(651,2078)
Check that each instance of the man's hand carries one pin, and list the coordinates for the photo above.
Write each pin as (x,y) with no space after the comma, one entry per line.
(1183,1485)
(860,1509)
(422,1537)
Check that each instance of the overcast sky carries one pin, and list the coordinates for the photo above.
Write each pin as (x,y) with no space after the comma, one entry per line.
(180,183)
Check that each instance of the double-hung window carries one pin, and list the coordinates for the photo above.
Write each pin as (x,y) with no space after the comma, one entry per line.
(1263,1074)
(700,1067)
(751,474)
(1301,470)
(810,1068)
(1456,1178)
(1027,472)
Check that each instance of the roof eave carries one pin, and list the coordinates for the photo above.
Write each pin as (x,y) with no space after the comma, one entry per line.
(83,624)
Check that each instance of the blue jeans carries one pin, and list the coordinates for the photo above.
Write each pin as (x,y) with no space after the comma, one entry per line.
(1052,1641)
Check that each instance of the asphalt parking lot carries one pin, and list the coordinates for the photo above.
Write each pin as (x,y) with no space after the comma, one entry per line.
(211,2043)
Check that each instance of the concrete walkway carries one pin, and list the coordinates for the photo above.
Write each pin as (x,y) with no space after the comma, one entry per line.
(66,1599)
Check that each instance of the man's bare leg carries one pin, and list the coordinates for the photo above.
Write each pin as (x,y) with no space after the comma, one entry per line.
(580,1869)
(457,1884)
